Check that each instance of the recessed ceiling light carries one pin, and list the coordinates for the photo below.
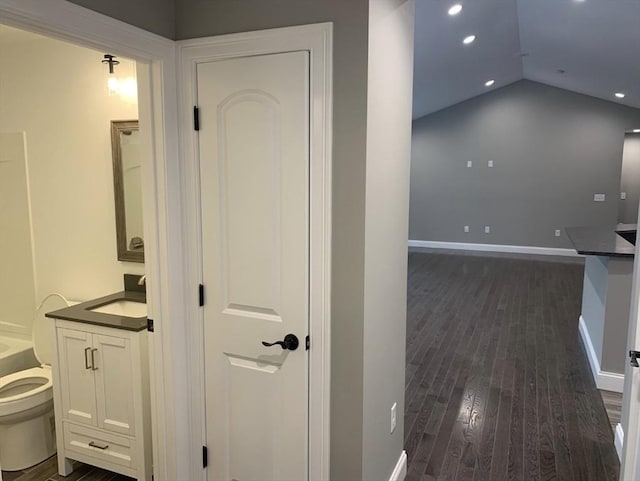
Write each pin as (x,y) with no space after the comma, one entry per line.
(455,9)
(620,95)
(489,83)
(636,131)
(469,39)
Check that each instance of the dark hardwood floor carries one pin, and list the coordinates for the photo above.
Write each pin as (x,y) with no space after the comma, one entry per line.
(498,385)
(48,471)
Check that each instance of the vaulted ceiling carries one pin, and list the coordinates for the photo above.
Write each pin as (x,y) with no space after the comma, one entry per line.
(587,46)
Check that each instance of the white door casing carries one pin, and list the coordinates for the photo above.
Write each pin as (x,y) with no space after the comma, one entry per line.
(630,465)
(312,42)
(254,157)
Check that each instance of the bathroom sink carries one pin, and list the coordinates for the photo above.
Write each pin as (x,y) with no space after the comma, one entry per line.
(123,307)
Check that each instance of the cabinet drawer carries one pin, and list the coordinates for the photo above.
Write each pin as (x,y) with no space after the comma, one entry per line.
(97,444)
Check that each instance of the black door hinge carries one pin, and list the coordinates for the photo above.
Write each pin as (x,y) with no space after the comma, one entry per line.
(196,118)
(201,295)
(150,325)
(634,355)
(307,343)
(205,457)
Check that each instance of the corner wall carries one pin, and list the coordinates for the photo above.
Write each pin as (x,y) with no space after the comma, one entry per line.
(552,151)
(391,24)
(630,180)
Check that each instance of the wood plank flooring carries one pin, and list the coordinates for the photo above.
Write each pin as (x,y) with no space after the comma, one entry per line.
(48,471)
(613,404)
(498,385)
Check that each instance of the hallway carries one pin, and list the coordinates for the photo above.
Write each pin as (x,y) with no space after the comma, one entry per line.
(498,386)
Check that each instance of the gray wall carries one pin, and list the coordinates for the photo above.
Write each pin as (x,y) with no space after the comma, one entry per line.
(387,212)
(614,341)
(157,16)
(606,298)
(594,297)
(350,21)
(552,150)
(630,180)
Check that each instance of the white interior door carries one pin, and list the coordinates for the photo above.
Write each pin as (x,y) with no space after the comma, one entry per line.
(254,181)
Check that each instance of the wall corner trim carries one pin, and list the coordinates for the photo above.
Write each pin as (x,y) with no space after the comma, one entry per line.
(609,381)
(465,246)
(400,471)
(619,440)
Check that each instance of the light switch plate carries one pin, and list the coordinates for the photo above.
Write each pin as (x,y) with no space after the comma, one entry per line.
(469,163)
(598,197)
(466,228)
(623,196)
(490,163)
(487,229)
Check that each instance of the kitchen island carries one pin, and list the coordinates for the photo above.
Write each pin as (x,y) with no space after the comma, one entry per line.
(606,298)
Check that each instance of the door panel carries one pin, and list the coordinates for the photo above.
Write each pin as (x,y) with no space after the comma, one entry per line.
(76,376)
(114,384)
(254,160)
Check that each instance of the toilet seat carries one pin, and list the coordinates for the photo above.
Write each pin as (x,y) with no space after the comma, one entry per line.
(39,392)
(30,388)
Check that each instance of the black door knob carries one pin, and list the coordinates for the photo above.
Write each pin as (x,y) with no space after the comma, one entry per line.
(290,342)
(634,355)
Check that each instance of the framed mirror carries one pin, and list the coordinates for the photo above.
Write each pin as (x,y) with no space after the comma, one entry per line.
(127,180)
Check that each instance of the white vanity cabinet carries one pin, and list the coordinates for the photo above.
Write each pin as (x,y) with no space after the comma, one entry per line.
(101,396)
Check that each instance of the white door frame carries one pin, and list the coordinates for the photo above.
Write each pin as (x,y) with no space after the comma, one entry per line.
(317,40)
(155,56)
(630,435)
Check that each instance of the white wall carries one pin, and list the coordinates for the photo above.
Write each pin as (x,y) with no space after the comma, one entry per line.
(57,94)
(630,179)
(389,92)
(17,289)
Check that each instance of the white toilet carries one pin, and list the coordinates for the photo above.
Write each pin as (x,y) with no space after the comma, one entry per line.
(27,425)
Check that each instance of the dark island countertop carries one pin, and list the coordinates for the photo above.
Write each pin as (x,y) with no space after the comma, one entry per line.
(602,240)
(82,312)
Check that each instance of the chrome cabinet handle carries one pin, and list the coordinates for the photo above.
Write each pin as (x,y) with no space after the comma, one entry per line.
(93,360)
(86,358)
(95,445)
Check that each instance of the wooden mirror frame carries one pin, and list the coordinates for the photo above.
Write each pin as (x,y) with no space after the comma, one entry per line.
(124,254)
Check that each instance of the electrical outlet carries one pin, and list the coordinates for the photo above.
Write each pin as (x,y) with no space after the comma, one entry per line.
(487,229)
(557,232)
(623,196)
(469,163)
(466,228)
(490,163)
(393,417)
(598,197)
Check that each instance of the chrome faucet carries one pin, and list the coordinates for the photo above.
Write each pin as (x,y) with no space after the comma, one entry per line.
(142,280)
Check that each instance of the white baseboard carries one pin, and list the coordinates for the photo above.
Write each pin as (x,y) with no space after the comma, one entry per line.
(609,381)
(400,471)
(465,246)
(619,440)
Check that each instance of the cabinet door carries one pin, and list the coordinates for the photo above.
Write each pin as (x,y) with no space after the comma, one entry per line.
(76,376)
(114,384)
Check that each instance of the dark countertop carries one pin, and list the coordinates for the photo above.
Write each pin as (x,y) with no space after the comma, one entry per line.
(602,241)
(82,312)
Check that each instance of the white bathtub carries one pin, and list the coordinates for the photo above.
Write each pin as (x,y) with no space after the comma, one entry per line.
(15,355)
